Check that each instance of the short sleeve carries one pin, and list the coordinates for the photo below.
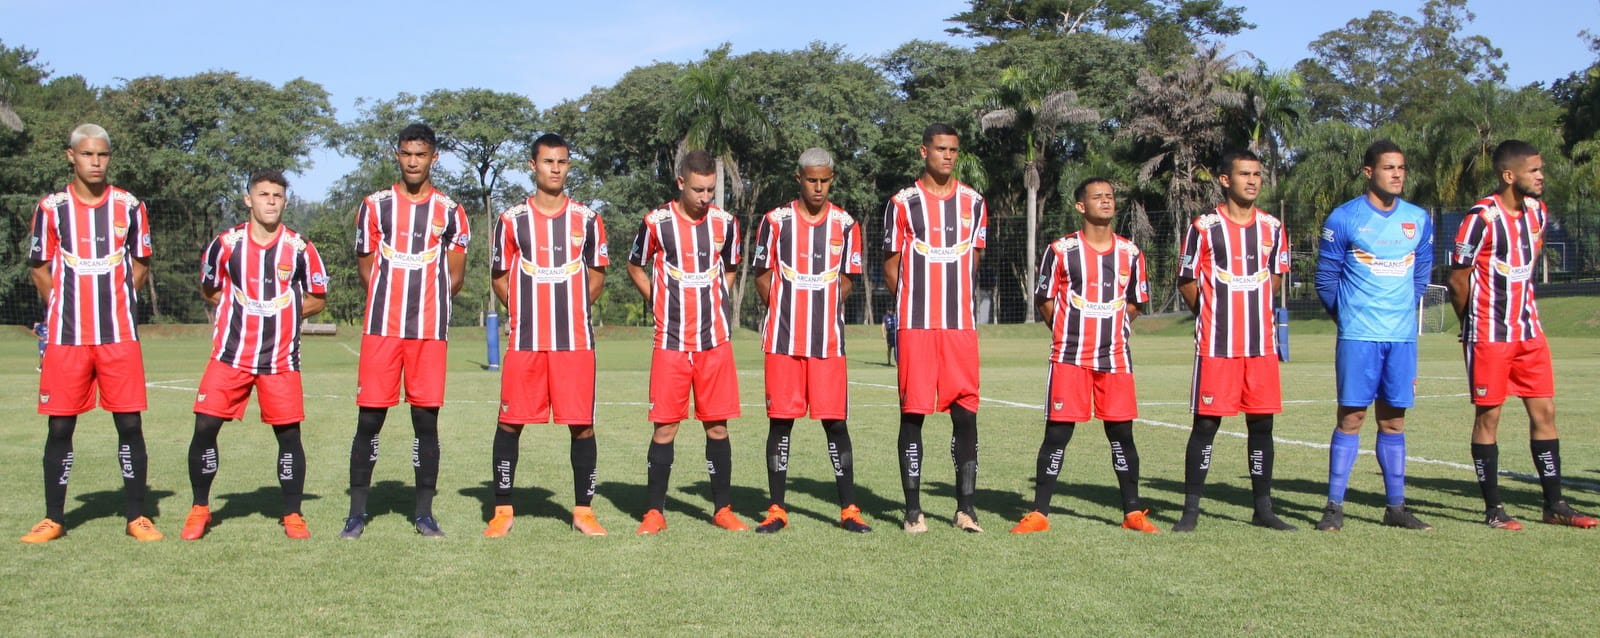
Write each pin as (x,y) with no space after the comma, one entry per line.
(368,233)
(595,253)
(211,263)
(458,232)
(43,243)
(315,273)
(1139,291)
(501,252)
(730,242)
(139,223)
(1469,238)
(1193,246)
(644,246)
(852,243)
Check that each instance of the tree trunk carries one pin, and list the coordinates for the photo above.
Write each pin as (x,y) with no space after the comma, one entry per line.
(1032,182)
(719,195)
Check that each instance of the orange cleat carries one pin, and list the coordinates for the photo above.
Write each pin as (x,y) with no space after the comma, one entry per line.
(776,520)
(1138,522)
(141,529)
(653,523)
(727,520)
(47,530)
(295,527)
(500,525)
(584,521)
(195,524)
(1563,514)
(1034,521)
(850,519)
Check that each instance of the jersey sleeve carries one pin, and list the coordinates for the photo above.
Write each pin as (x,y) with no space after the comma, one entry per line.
(44,243)
(730,243)
(500,250)
(1193,246)
(458,231)
(313,271)
(1422,275)
(980,239)
(644,245)
(1469,238)
(1280,248)
(368,233)
(1139,291)
(595,253)
(211,262)
(761,257)
(893,228)
(1049,283)
(852,245)
(139,224)
(1332,245)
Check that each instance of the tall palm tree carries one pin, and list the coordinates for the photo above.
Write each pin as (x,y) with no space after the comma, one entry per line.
(1275,109)
(713,116)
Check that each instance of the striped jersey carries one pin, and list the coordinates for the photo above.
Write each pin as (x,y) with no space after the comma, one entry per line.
(263,291)
(1373,266)
(1092,290)
(408,290)
(1233,265)
(805,311)
(1502,248)
(687,261)
(937,240)
(548,257)
(90,247)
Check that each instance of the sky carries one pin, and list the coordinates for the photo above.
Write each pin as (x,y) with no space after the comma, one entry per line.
(558,51)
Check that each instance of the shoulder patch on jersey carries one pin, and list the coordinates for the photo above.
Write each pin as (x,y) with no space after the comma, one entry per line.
(515,211)
(584,211)
(780,213)
(968,191)
(658,215)
(294,240)
(125,197)
(234,236)
(379,196)
(1267,218)
(54,199)
(448,203)
(718,213)
(1127,246)
(1488,213)
(1069,243)
(1207,220)
(840,215)
(905,194)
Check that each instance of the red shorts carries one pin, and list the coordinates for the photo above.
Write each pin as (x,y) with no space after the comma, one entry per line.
(383,359)
(793,383)
(531,383)
(709,373)
(224,391)
(937,368)
(73,373)
(1518,368)
(1225,386)
(1074,389)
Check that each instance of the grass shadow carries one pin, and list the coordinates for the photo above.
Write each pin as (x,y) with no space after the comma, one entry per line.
(530,500)
(264,501)
(873,506)
(109,504)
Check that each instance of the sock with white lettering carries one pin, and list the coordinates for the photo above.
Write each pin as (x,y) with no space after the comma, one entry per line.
(658,474)
(291,466)
(910,446)
(719,464)
(842,455)
(58,466)
(364,456)
(425,456)
(1258,444)
(1047,465)
(204,457)
(964,452)
(503,458)
(1486,463)
(133,460)
(1547,462)
(778,458)
(584,477)
(1125,463)
(1197,459)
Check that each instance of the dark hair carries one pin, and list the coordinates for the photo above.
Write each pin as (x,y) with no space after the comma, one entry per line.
(697,162)
(937,129)
(1234,157)
(549,140)
(1083,186)
(417,132)
(1510,152)
(267,175)
(1377,150)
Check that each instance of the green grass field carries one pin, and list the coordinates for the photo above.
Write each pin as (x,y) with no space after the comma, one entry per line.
(1086,576)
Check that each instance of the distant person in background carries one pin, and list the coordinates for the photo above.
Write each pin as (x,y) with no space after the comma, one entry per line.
(1491,288)
(41,331)
(891,333)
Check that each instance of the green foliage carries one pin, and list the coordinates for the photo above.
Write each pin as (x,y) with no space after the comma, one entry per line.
(1167,28)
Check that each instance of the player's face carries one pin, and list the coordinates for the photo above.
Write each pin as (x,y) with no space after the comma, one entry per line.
(815,182)
(1099,204)
(1387,176)
(1243,182)
(695,192)
(550,164)
(939,156)
(89,160)
(1527,176)
(416,162)
(266,201)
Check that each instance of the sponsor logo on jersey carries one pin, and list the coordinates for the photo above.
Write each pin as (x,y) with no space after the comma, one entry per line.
(1514,273)
(1386,267)
(1242,283)
(408,261)
(550,275)
(940,254)
(1410,229)
(262,307)
(692,279)
(805,281)
(92,266)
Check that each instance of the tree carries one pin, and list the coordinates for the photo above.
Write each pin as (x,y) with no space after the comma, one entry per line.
(1166,27)
(1579,96)
(1274,110)
(712,114)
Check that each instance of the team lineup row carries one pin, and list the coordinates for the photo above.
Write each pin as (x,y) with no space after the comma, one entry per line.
(91,244)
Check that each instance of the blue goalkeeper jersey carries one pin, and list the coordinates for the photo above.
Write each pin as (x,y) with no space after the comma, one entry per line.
(1372,268)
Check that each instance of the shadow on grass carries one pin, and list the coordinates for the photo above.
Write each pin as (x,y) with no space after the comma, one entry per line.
(1235,503)
(265,501)
(109,504)
(873,507)
(632,498)
(391,497)
(528,500)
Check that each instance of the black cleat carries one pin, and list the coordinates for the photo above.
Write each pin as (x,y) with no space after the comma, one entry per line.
(1562,514)
(1188,521)
(1400,516)
(1332,518)
(1269,520)
(1497,518)
(428,527)
(354,526)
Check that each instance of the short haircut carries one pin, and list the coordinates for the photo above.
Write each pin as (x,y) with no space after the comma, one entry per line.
(1083,186)
(1376,151)
(697,162)
(1511,152)
(1234,157)
(936,129)
(417,132)
(267,175)
(816,157)
(83,132)
(549,140)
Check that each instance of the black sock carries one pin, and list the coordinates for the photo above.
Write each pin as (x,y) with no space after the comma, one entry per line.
(910,447)
(659,474)
(584,477)
(1047,466)
(778,458)
(291,466)
(1258,441)
(964,452)
(1197,458)
(1125,463)
(133,461)
(1547,463)
(363,456)
(719,464)
(504,459)
(58,466)
(842,455)
(425,456)
(204,457)
(1486,463)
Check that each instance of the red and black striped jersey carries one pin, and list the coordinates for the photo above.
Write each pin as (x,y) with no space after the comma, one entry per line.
(1233,265)
(687,261)
(263,292)
(1502,249)
(938,240)
(808,259)
(548,257)
(408,290)
(90,247)
(1092,290)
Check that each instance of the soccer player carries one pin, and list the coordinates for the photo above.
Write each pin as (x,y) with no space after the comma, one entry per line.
(1234,258)
(934,233)
(891,330)
(806,254)
(41,331)
(263,278)
(1091,284)
(90,253)
(690,248)
(548,267)
(1491,288)
(411,253)
(1373,266)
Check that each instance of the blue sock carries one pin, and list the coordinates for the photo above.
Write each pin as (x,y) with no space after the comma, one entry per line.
(1392,461)
(1342,452)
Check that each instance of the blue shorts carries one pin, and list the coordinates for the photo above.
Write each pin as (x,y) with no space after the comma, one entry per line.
(1368,370)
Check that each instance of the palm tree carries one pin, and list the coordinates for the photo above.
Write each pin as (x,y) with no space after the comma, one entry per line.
(1036,107)
(713,116)
(1274,110)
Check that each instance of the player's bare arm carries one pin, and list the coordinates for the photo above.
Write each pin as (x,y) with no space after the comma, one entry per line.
(1460,282)
(763,280)
(891,273)
(1046,307)
(141,270)
(312,304)
(212,296)
(641,280)
(596,283)
(457,263)
(500,283)
(846,284)
(364,268)
(1191,295)
(729,278)
(40,272)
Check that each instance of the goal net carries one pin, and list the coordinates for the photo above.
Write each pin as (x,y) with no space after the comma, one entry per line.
(1435,315)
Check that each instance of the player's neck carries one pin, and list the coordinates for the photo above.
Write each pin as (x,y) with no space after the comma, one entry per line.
(90,193)
(549,204)
(1510,199)
(1099,237)
(687,212)
(418,192)
(938,187)
(1239,212)
(812,214)
(1381,201)
(261,233)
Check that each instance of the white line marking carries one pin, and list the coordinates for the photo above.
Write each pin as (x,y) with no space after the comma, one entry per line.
(352,350)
